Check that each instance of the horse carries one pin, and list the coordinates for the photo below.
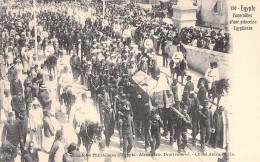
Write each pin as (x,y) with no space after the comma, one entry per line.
(217,90)
(68,98)
(89,133)
(180,69)
(51,64)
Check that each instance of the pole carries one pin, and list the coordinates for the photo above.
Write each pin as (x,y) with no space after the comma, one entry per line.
(104,8)
(35,30)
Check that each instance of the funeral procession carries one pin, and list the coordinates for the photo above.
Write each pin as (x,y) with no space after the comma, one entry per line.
(114,80)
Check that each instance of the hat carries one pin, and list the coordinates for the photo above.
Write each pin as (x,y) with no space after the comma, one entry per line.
(139,96)
(221,108)
(43,87)
(10,114)
(72,147)
(18,60)
(188,77)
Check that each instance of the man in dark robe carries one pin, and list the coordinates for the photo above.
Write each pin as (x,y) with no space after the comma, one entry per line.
(218,137)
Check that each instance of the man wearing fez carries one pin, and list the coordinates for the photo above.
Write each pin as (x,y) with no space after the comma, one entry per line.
(109,123)
(18,104)
(10,130)
(202,93)
(75,63)
(189,85)
(183,123)
(127,130)
(22,128)
(205,125)
(194,114)
(16,85)
(155,126)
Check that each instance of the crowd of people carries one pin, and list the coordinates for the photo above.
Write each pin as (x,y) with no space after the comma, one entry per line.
(104,55)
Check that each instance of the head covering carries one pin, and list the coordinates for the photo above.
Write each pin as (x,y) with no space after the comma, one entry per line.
(43,87)
(72,147)
(10,114)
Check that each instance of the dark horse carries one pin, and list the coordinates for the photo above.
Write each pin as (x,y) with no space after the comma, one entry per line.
(68,98)
(217,90)
(180,69)
(51,64)
(90,132)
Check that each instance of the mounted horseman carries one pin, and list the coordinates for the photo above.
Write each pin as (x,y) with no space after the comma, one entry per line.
(178,64)
(216,88)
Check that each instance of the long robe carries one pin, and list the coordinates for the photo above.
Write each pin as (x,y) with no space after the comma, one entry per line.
(36,122)
(220,122)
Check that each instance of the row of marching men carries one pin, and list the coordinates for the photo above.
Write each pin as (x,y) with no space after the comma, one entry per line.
(131,114)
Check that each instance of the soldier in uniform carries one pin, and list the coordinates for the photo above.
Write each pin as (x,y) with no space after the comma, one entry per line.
(109,123)
(18,104)
(155,126)
(205,125)
(10,132)
(182,126)
(16,86)
(194,114)
(103,101)
(75,63)
(127,129)
(202,93)
(186,100)
(173,123)
(189,85)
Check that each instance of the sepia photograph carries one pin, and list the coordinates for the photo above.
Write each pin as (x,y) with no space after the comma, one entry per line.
(117,80)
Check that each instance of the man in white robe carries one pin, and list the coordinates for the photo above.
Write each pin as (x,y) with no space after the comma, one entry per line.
(36,124)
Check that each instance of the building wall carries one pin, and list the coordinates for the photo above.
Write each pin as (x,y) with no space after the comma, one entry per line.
(199,60)
(208,17)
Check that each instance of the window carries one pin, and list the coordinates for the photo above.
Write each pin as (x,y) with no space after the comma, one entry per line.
(217,7)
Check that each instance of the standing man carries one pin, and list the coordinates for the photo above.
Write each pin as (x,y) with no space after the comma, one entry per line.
(155,130)
(189,85)
(36,123)
(28,94)
(128,129)
(44,97)
(109,123)
(202,93)
(75,63)
(182,126)
(10,132)
(18,104)
(194,114)
(16,86)
(22,128)
(204,125)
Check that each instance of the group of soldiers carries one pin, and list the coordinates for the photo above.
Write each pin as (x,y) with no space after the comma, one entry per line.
(105,62)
